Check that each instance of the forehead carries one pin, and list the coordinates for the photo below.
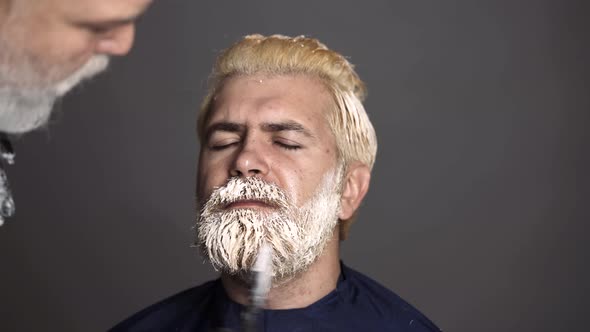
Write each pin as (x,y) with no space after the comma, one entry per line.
(101,8)
(260,98)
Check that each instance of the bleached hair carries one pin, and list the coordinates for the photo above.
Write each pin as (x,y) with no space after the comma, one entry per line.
(282,55)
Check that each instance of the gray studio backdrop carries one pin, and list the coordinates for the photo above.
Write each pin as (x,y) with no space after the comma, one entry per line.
(478,204)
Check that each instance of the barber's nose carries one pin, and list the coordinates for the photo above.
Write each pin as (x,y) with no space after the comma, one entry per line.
(117,41)
(250,161)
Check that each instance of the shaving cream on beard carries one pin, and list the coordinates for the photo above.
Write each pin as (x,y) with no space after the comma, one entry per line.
(231,238)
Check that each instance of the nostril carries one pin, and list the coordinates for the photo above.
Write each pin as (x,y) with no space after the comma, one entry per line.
(235,172)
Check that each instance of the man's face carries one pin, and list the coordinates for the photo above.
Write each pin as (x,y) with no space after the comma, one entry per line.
(269,136)
(49,46)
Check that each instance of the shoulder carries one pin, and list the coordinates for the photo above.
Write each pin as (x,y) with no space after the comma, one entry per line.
(394,312)
(171,312)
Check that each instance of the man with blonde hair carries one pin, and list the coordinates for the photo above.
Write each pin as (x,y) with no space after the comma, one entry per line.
(286,156)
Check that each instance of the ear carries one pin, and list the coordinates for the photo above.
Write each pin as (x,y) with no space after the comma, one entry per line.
(354,189)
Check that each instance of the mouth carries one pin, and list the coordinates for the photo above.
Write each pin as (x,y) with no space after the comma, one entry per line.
(249,204)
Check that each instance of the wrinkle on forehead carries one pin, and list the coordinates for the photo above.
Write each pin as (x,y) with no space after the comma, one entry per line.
(261,92)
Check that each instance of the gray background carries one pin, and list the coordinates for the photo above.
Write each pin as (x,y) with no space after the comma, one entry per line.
(477,209)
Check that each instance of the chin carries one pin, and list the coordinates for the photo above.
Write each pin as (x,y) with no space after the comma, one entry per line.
(22,110)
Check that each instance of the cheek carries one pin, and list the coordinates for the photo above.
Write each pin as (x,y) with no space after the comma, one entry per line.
(303,180)
(72,52)
(61,50)
(211,172)
(296,182)
(205,185)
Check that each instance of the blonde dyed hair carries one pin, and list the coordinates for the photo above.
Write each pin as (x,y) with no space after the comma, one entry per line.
(281,55)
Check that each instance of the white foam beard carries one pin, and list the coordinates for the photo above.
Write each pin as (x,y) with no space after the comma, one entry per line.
(24,108)
(230,239)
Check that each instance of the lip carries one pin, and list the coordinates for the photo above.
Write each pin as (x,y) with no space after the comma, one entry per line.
(248,204)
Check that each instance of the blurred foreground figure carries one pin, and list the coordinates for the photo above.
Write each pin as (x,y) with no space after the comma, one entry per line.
(286,156)
(49,46)
(46,48)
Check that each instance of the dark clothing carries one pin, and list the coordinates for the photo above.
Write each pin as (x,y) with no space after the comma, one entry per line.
(357,304)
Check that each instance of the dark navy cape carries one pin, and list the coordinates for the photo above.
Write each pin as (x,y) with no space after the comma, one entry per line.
(357,304)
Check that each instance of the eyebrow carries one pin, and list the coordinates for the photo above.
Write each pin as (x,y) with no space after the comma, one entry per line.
(231,127)
(272,127)
(286,126)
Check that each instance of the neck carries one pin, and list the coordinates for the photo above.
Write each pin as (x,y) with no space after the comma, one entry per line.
(303,290)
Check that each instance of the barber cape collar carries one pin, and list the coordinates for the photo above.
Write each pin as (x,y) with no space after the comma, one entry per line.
(6,158)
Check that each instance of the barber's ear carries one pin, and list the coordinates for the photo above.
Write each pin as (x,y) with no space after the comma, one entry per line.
(354,189)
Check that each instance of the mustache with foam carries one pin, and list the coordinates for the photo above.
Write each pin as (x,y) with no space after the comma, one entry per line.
(251,188)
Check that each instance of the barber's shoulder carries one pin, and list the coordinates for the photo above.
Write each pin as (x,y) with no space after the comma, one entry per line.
(396,313)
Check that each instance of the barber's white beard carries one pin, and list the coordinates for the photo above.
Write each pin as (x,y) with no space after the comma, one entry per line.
(231,239)
(25,107)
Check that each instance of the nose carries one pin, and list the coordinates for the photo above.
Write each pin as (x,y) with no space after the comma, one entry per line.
(250,160)
(117,41)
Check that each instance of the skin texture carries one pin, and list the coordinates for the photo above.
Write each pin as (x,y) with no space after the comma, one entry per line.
(64,34)
(251,102)
(274,128)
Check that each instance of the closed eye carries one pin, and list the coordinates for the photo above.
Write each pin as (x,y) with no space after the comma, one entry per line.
(288,146)
(98,28)
(222,145)
(221,139)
